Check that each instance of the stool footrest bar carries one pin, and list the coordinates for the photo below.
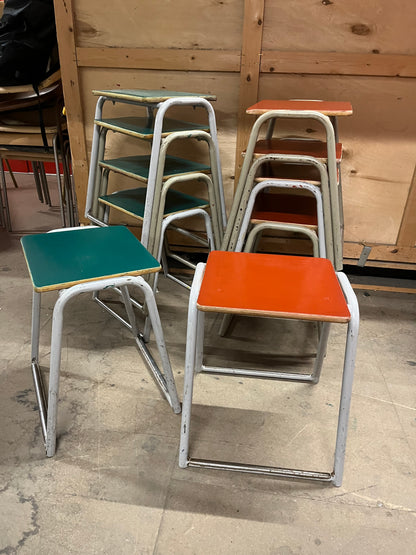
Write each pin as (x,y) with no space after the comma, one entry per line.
(153,367)
(264,470)
(40,395)
(112,312)
(178,281)
(288,376)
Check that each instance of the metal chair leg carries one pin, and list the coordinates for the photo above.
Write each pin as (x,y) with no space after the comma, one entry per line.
(35,167)
(4,203)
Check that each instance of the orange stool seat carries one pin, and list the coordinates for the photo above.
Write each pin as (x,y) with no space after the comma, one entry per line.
(287,208)
(317,149)
(328,108)
(294,287)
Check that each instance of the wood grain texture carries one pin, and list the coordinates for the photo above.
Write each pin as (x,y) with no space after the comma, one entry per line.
(339,63)
(160,59)
(64,16)
(407,232)
(249,73)
(242,52)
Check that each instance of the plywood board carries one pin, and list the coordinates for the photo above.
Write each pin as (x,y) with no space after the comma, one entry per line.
(150,24)
(244,51)
(379,142)
(350,26)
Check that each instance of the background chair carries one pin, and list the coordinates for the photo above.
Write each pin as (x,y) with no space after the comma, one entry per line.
(33,128)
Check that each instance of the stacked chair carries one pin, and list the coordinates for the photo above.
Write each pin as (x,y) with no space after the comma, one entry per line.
(33,129)
(154,201)
(306,288)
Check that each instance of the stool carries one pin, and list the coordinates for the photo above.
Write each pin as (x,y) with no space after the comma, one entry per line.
(89,259)
(311,150)
(154,198)
(271,286)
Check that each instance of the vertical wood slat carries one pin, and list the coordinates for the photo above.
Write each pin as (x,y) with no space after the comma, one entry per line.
(249,73)
(407,232)
(64,17)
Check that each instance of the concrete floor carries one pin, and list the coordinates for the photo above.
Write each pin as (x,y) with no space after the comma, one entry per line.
(114,485)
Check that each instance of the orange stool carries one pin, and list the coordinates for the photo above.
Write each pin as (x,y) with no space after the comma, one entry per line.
(271,286)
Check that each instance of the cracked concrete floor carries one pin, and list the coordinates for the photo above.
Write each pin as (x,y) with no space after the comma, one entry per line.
(114,486)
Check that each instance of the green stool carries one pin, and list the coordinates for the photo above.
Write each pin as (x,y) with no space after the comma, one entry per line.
(81,260)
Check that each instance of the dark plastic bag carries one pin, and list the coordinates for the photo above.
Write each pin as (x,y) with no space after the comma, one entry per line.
(27,42)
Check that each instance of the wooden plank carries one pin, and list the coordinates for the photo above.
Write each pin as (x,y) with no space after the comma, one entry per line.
(385,265)
(379,26)
(387,253)
(407,232)
(168,24)
(330,63)
(249,73)
(169,59)
(64,17)
(389,288)
(339,63)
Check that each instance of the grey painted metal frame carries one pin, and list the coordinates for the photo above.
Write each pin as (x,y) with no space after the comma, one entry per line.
(194,364)
(282,184)
(165,224)
(154,168)
(331,168)
(252,237)
(242,197)
(48,411)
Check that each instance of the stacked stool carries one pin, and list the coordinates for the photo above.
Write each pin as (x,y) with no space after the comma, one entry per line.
(271,286)
(297,159)
(155,198)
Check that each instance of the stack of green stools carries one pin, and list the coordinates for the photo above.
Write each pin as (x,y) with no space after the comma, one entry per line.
(154,199)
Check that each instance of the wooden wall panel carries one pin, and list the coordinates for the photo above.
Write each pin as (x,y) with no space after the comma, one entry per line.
(212,24)
(244,50)
(333,26)
(379,142)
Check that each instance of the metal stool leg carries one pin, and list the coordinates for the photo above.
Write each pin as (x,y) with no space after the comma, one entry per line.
(347,378)
(164,379)
(36,373)
(193,338)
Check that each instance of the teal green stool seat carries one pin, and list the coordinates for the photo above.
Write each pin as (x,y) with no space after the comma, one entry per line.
(148,96)
(132,201)
(142,127)
(90,259)
(137,167)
